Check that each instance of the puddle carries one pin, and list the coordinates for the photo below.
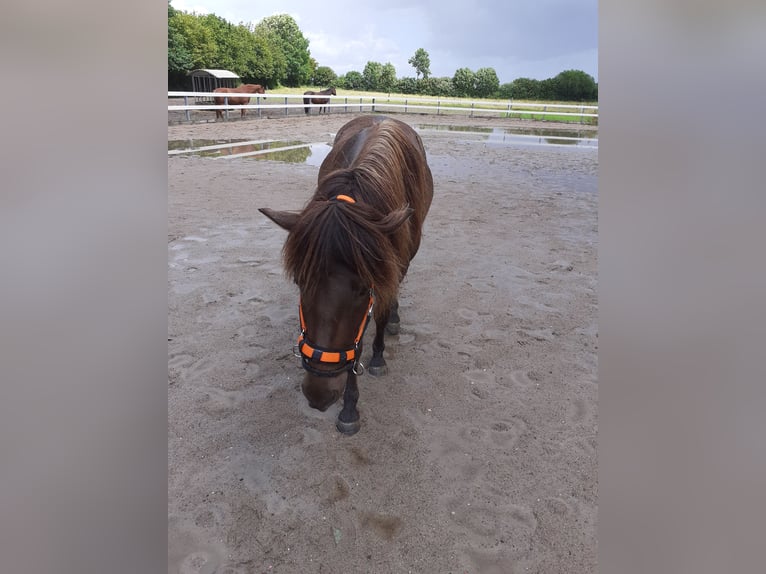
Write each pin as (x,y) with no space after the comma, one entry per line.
(527,136)
(291,151)
(190,146)
(310,154)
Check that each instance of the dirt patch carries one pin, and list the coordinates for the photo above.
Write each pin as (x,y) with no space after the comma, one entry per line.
(477,452)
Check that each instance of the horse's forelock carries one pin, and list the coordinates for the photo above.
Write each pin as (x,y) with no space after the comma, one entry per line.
(331,233)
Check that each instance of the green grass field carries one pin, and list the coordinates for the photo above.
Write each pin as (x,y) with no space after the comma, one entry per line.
(551,110)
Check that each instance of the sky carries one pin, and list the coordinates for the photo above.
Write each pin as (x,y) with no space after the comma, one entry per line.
(518,38)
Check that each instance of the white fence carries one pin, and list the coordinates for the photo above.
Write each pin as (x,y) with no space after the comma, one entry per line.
(274,102)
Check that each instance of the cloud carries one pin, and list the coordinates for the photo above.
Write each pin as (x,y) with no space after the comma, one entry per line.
(524,38)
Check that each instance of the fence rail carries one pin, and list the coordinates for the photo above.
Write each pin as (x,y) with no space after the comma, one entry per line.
(374,103)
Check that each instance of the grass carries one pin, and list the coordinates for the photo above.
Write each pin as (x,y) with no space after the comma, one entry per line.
(462,105)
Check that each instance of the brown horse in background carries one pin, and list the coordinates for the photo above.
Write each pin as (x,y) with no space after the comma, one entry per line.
(349,249)
(243,89)
(327,92)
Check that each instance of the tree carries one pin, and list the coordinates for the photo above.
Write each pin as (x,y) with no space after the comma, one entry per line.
(324,76)
(505,91)
(227,50)
(575,85)
(273,66)
(262,62)
(421,62)
(179,57)
(464,80)
(486,82)
(387,78)
(371,75)
(436,86)
(198,38)
(294,46)
(548,89)
(353,80)
(407,85)
(525,89)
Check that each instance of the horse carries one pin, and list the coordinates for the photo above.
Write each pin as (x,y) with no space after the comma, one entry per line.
(348,250)
(243,89)
(327,92)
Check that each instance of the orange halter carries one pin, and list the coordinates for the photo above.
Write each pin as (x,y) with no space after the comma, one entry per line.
(346,358)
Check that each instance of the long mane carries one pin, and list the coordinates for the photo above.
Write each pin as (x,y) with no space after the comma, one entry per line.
(384,179)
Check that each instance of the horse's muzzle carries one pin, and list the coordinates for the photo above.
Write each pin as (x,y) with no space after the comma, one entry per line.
(322,393)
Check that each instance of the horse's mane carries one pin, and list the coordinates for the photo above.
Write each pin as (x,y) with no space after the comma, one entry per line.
(361,236)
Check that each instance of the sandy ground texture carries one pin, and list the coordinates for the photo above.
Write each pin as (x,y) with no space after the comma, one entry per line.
(477,453)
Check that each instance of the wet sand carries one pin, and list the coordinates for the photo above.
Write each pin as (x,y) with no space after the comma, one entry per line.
(477,452)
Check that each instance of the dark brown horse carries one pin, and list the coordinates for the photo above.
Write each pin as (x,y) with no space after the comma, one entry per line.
(348,250)
(307,101)
(243,89)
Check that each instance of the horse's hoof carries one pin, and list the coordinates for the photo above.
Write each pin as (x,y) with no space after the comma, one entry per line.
(348,428)
(392,328)
(378,371)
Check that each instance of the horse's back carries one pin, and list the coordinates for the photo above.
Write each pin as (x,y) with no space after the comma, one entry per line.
(351,138)
(368,142)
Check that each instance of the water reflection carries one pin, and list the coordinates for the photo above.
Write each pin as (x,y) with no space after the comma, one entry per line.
(523,135)
(291,151)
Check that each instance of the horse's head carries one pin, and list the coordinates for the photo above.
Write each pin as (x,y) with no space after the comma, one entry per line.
(334,315)
(332,91)
(336,290)
(335,306)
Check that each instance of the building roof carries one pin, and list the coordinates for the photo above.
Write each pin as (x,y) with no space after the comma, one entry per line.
(217,73)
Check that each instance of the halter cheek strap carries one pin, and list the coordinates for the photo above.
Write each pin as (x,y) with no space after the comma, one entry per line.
(346,358)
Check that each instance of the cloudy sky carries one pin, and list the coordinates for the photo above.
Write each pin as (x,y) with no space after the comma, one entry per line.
(518,38)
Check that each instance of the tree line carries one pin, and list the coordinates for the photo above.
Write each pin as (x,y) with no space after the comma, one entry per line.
(274,52)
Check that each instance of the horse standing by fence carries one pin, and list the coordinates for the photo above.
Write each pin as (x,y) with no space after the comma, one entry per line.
(349,249)
(243,89)
(321,101)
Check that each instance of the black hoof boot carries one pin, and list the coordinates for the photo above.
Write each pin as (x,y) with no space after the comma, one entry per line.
(348,428)
(378,370)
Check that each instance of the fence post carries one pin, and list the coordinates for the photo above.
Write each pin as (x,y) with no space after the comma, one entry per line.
(438,106)
(258,103)
(186,103)
(472,103)
(226,103)
(582,110)
(360,103)
(510,105)
(373,105)
(285,105)
(345,109)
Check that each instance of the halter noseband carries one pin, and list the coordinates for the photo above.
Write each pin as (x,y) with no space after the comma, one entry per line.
(347,359)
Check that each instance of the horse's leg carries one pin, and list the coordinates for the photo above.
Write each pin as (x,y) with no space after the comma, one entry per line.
(378,365)
(348,419)
(392,328)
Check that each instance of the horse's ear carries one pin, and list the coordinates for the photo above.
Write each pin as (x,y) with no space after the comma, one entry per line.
(395,219)
(285,219)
